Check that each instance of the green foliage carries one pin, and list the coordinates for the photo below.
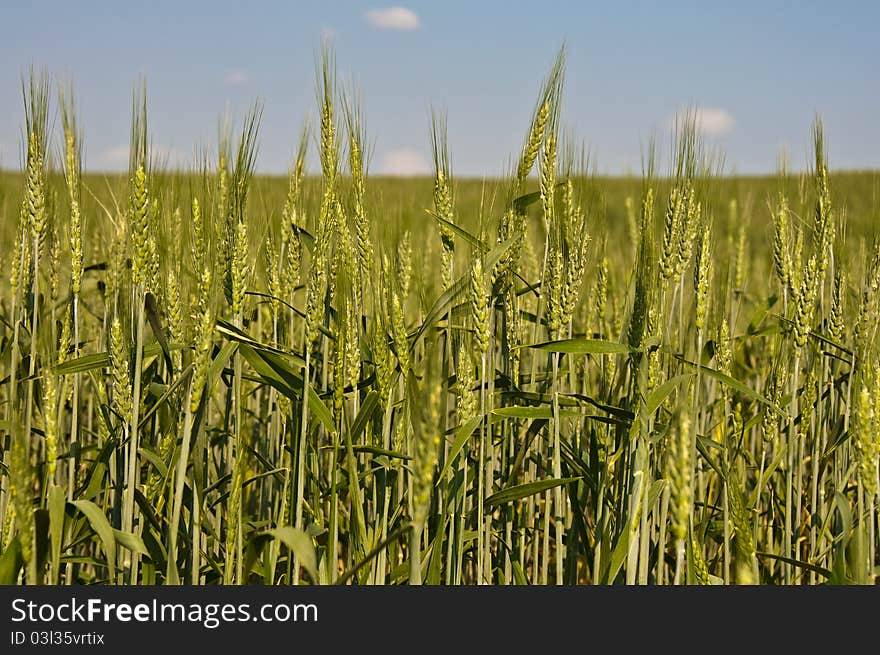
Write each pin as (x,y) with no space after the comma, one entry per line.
(356,380)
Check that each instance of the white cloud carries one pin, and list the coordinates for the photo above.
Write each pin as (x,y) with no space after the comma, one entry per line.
(115,158)
(714,122)
(235,78)
(404,162)
(394,18)
(112,158)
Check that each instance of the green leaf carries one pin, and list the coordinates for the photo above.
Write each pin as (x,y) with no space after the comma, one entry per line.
(307,238)
(274,371)
(462,434)
(582,346)
(521,203)
(368,408)
(101,526)
(734,384)
(658,395)
(703,444)
(218,364)
(524,411)
(98,361)
(301,546)
(96,481)
(234,333)
(375,450)
(131,541)
(796,562)
(153,458)
(435,561)
(654,492)
(320,410)
(619,412)
(542,398)
(524,490)
(518,411)
(618,555)
(518,576)
(11,562)
(846,517)
(84,363)
(56,501)
(464,234)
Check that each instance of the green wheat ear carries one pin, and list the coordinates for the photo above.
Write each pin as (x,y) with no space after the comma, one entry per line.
(443,200)
(468,402)
(240,267)
(679,465)
(865,441)
(50,424)
(781,256)
(203,341)
(702,278)
(404,265)
(119,363)
(72,178)
(479,300)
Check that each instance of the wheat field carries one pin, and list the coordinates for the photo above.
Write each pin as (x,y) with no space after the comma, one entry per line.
(215,377)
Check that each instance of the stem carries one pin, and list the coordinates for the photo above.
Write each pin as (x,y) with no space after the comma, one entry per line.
(179,480)
(559,515)
(789,448)
(415,549)
(301,455)
(29,393)
(131,477)
(679,561)
(481,472)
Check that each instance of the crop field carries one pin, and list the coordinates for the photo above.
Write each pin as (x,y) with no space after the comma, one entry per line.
(216,377)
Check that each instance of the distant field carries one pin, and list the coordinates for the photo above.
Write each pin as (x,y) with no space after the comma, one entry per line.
(402,203)
(550,378)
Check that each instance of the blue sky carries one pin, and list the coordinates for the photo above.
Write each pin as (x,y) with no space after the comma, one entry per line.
(759,70)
